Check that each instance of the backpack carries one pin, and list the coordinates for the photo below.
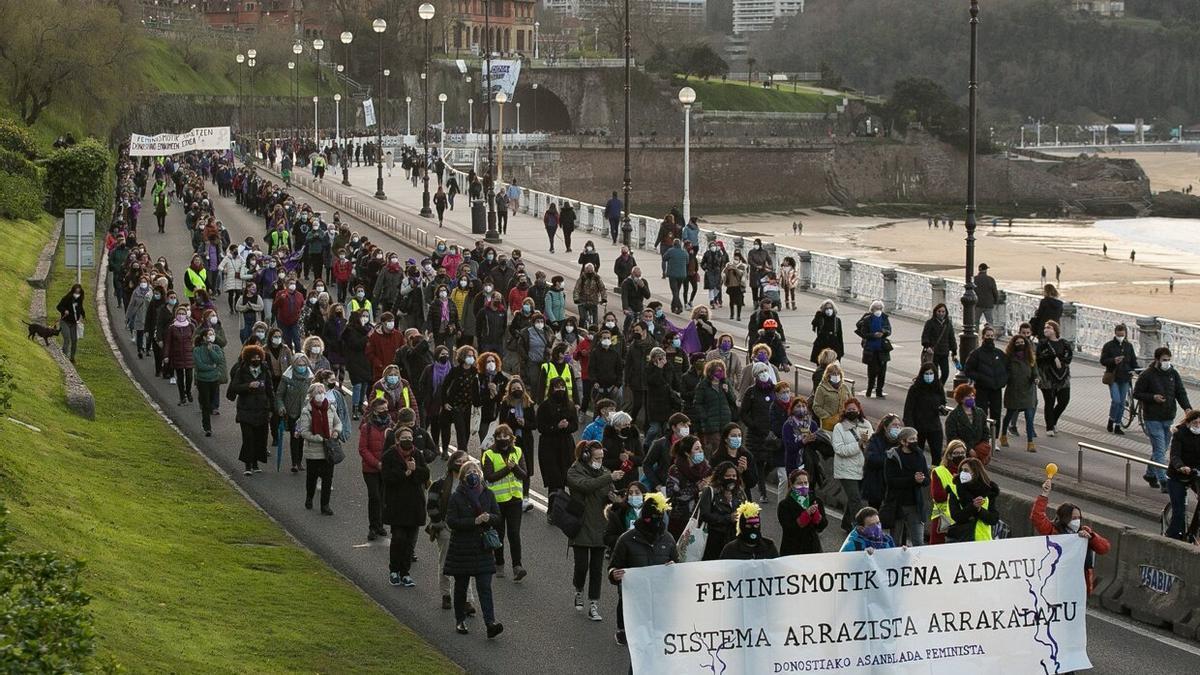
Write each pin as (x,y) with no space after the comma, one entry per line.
(566,513)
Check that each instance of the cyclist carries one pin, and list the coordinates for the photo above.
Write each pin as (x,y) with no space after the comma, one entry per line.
(1182,470)
(1119,363)
(1068,518)
(1159,389)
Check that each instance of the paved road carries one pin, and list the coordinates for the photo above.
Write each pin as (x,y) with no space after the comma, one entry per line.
(1104,475)
(541,626)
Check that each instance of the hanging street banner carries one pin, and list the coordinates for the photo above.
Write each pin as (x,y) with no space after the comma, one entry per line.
(369,111)
(504,78)
(200,138)
(1007,606)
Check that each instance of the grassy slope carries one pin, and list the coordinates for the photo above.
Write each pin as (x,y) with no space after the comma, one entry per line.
(730,95)
(186,576)
(164,70)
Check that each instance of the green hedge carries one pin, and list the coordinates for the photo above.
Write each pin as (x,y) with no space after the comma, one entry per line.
(16,164)
(45,626)
(15,137)
(21,198)
(81,177)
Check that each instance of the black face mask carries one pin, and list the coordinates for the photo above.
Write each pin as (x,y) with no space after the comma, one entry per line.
(750,534)
(443,358)
(651,525)
(406,443)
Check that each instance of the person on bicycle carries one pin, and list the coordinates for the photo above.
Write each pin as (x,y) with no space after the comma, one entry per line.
(1159,389)
(1182,469)
(1069,519)
(1119,363)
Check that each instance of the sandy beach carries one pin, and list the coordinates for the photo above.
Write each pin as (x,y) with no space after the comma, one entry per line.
(1015,256)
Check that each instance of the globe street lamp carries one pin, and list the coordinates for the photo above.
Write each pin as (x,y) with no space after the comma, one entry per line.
(408,116)
(627,182)
(379,26)
(518,105)
(292,67)
(253,131)
(426,12)
(470,117)
(316,124)
(318,45)
(337,119)
(240,58)
(968,340)
(442,100)
(501,99)
(536,26)
(343,153)
(347,37)
(687,96)
(297,49)
(535,88)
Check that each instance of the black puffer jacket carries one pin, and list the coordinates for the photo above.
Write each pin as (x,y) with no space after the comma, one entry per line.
(354,346)
(636,549)
(1155,381)
(987,368)
(1185,451)
(467,553)
(921,406)
(404,495)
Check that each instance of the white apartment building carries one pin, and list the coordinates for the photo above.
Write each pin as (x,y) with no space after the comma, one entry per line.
(693,9)
(758,15)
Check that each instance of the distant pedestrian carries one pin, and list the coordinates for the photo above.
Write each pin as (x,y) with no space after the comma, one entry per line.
(1171,280)
(1058,274)
(800,227)
(1104,247)
(1132,256)
(1010,223)
(1043,275)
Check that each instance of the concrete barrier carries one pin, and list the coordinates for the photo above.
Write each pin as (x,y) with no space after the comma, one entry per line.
(1157,582)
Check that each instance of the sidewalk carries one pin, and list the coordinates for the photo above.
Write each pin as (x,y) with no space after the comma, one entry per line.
(1082,421)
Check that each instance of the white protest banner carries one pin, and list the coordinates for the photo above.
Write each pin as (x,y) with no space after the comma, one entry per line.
(369,111)
(504,77)
(1011,606)
(200,138)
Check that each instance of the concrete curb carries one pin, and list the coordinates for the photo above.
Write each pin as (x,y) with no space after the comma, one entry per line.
(79,397)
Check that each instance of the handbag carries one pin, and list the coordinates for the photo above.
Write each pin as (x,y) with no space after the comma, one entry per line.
(1108,377)
(491,539)
(333,451)
(567,513)
(693,539)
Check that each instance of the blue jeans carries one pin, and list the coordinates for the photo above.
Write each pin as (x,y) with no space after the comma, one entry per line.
(1118,393)
(291,336)
(358,391)
(1159,432)
(1177,489)
(1010,416)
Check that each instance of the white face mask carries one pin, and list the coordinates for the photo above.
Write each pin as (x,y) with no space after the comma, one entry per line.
(470,360)
(964,477)
(877,312)
(276,340)
(212,320)
(1194,430)
(835,379)
(291,287)
(364,320)
(143,285)
(1074,525)
(316,351)
(1165,365)
(539,325)
(828,311)
(597,465)
(210,337)
(569,328)
(684,431)
(490,367)
(389,324)
(606,342)
(764,377)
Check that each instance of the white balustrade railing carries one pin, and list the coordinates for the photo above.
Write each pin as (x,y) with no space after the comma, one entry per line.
(1094,327)
(1184,341)
(826,274)
(1019,308)
(914,293)
(866,282)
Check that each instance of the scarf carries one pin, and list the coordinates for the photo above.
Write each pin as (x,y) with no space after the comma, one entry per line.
(439,373)
(692,472)
(473,493)
(445,312)
(320,418)
(804,502)
(181,321)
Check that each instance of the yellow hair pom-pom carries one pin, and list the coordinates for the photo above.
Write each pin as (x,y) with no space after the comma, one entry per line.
(658,500)
(748,509)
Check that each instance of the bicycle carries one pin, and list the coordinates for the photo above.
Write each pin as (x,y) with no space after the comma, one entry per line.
(1133,408)
(1191,531)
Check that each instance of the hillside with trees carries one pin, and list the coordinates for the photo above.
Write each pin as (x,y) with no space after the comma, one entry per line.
(1036,58)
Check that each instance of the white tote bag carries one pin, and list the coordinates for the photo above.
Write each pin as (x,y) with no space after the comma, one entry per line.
(693,539)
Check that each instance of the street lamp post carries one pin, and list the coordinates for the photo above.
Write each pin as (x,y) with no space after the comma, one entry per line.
(408,116)
(442,100)
(627,182)
(297,50)
(535,97)
(292,67)
(536,26)
(470,117)
(380,26)
(318,45)
(337,118)
(253,131)
(491,235)
(316,123)
(518,106)
(969,340)
(240,58)
(501,99)
(426,12)
(343,155)
(687,96)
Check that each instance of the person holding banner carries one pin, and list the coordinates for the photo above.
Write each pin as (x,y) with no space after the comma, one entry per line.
(646,545)
(802,517)
(868,534)
(972,502)
(749,544)
(1067,519)
(684,478)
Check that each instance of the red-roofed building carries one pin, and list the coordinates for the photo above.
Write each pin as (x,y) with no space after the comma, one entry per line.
(249,16)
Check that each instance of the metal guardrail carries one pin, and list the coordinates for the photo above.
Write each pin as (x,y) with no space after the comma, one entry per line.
(1129,461)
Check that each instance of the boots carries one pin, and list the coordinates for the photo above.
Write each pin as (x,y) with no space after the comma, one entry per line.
(1004,440)
(1031,447)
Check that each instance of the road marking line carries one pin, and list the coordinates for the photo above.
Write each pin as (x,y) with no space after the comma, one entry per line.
(1170,642)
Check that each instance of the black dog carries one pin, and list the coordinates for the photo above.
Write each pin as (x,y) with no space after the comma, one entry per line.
(37,330)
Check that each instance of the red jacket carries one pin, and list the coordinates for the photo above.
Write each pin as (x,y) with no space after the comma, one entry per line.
(381,347)
(370,445)
(288,306)
(342,270)
(583,350)
(1097,545)
(516,296)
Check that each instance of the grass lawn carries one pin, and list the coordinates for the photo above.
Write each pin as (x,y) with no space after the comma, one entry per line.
(731,95)
(186,576)
(164,70)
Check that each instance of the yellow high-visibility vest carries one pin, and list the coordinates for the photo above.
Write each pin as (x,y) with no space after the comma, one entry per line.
(198,279)
(942,508)
(983,531)
(510,487)
(565,374)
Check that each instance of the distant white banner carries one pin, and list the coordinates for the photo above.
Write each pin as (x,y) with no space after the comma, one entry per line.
(504,77)
(200,138)
(369,111)
(1006,606)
